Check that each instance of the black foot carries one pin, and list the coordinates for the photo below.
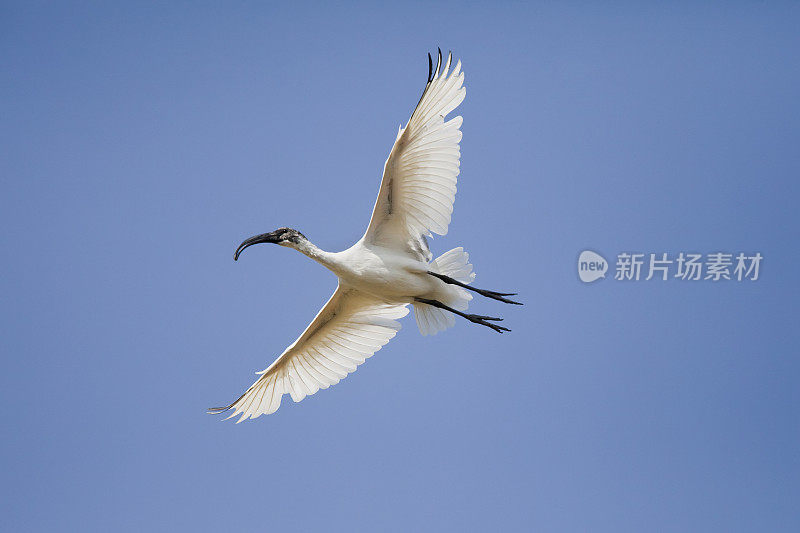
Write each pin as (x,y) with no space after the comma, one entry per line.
(484,321)
(497,295)
(494,295)
(475,319)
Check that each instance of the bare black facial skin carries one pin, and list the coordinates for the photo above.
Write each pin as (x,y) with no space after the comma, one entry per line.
(275,237)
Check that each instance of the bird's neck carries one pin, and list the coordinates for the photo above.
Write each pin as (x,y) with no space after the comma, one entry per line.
(326,259)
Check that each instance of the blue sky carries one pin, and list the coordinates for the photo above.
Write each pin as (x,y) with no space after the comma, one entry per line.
(142,143)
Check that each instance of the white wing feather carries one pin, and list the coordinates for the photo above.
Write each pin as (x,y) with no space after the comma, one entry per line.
(350,328)
(419,178)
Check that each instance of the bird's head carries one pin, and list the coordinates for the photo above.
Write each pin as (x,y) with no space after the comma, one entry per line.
(281,236)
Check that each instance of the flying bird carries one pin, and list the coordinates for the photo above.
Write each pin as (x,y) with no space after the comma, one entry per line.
(390,267)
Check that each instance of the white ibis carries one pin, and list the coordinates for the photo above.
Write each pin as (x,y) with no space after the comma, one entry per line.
(390,267)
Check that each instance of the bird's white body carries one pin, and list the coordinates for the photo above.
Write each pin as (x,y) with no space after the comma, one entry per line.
(382,272)
(390,267)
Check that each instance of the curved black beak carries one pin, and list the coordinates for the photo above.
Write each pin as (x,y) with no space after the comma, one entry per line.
(258,239)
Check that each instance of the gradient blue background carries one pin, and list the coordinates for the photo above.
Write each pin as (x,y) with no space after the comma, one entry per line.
(141,144)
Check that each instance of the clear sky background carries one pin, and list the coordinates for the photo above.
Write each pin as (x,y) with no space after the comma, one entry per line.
(141,143)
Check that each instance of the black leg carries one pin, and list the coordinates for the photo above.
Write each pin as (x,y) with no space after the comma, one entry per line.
(483,292)
(476,319)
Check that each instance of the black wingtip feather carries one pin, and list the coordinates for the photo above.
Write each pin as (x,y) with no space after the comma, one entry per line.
(220,410)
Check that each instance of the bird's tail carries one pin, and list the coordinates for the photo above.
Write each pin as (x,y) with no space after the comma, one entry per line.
(455,264)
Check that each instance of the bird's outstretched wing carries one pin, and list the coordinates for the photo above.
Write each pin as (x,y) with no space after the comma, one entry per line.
(351,327)
(419,178)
